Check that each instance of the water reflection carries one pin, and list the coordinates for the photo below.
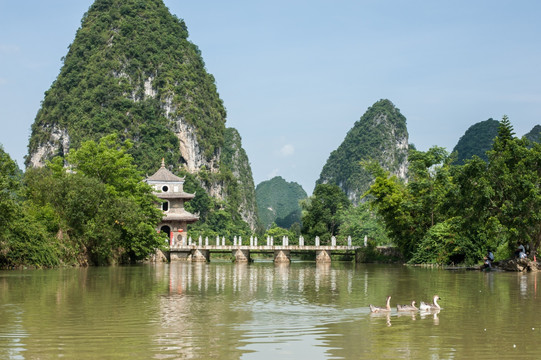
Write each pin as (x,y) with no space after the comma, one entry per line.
(262,311)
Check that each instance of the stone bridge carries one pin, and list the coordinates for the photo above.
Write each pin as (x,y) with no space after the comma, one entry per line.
(200,251)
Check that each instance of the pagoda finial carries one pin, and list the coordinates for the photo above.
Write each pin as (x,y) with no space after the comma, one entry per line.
(163,163)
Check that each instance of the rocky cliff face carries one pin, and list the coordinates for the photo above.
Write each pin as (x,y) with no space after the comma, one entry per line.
(131,70)
(380,135)
(234,158)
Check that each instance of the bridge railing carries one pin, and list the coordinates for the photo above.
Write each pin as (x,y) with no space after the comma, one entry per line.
(255,242)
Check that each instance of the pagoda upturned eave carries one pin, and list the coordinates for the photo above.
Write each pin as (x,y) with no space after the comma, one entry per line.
(174,195)
(184,216)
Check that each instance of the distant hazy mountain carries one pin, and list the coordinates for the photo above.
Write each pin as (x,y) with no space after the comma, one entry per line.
(477,140)
(278,201)
(380,135)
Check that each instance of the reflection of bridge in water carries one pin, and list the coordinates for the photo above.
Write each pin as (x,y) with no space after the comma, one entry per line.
(282,253)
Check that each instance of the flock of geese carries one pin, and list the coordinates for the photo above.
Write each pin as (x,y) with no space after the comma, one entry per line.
(423,307)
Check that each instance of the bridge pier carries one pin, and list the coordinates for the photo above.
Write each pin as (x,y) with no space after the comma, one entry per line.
(241,255)
(323,256)
(180,255)
(200,255)
(282,256)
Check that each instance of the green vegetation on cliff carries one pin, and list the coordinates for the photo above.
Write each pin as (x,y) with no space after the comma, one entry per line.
(98,212)
(278,202)
(381,136)
(535,134)
(129,65)
(477,140)
(450,213)
(131,71)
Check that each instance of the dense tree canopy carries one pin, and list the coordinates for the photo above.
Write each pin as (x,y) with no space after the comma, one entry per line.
(96,211)
(321,212)
(450,213)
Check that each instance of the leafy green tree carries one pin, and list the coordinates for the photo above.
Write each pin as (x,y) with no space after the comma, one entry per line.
(100,209)
(410,210)
(514,173)
(9,185)
(361,221)
(322,213)
(23,241)
(278,233)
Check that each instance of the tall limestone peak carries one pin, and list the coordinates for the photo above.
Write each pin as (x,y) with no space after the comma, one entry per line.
(380,135)
(131,70)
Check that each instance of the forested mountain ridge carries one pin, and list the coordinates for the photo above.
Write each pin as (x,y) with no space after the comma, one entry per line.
(380,135)
(278,202)
(477,140)
(132,71)
(535,134)
(479,137)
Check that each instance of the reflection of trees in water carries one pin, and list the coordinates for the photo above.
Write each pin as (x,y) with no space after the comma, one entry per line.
(210,307)
(225,311)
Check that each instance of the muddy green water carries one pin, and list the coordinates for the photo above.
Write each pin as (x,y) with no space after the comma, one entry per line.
(262,311)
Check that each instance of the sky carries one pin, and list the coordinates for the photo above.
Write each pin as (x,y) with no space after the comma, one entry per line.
(295,75)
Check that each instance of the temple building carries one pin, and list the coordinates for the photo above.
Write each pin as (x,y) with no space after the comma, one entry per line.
(169,187)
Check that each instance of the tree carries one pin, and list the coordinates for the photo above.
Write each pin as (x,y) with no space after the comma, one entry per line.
(23,241)
(514,173)
(8,188)
(321,215)
(99,206)
(410,210)
(361,221)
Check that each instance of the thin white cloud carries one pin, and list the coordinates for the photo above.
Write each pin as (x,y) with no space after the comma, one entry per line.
(287,150)
(9,49)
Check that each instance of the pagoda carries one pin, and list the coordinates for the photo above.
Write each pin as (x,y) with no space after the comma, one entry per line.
(169,187)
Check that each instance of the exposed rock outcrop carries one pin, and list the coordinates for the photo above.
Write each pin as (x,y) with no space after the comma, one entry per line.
(131,70)
(380,135)
(519,265)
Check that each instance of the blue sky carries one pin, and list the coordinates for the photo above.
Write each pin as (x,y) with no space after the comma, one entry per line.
(296,75)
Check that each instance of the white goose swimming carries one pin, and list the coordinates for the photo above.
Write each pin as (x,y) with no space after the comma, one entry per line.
(387,307)
(429,307)
(411,307)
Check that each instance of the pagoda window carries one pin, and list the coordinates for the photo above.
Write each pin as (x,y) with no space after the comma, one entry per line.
(165,206)
(165,188)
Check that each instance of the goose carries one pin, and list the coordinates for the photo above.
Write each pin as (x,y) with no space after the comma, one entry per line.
(387,307)
(411,307)
(429,307)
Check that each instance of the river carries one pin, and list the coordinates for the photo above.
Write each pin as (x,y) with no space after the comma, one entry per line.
(221,310)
